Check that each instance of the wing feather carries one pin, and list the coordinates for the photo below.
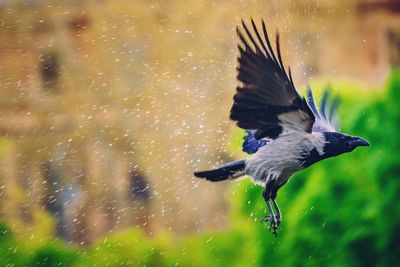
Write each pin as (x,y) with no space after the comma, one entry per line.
(325,116)
(266,100)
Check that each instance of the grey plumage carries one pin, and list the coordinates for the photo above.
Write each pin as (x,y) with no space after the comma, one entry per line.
(283,156)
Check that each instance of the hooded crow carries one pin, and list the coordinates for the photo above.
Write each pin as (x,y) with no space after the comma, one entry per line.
(286,132)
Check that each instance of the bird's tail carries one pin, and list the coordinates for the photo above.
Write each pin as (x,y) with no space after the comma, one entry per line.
(230,170)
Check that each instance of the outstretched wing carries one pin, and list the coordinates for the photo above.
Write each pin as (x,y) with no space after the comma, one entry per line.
(325,119)
(267,100)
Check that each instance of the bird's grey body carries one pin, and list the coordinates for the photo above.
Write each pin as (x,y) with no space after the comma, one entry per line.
(282,157)
(286,132)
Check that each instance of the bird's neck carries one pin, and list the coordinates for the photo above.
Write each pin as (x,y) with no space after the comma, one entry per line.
(313,157)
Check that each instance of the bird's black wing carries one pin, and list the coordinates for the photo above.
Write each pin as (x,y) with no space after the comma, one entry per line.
(325,116)
(266,100)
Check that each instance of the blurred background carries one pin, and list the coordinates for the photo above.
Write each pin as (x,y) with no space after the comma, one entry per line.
(107,108)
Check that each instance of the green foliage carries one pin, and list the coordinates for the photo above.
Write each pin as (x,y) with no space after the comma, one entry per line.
(341,212)
(12,252)
(18,252)
(126,248)
(54,254)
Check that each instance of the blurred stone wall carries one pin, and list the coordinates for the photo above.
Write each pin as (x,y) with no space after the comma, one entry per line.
(107,107)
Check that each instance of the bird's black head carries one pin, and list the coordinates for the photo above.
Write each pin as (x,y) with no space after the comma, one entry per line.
(339,143)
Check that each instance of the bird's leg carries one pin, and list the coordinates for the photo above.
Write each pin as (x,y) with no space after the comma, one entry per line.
(271,217)
(273,222)
(274,192)
(278,212)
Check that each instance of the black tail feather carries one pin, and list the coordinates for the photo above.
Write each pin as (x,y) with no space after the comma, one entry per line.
(230,170)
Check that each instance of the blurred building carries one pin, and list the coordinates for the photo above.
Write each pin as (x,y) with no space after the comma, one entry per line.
(108,107)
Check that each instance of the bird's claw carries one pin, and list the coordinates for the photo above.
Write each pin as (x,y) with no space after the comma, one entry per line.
(266,218)
(274,223)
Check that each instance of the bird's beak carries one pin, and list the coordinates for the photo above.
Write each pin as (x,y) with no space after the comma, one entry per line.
(358,141)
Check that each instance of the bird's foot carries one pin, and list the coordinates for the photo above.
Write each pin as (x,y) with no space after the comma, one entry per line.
(274,224)
(266,218)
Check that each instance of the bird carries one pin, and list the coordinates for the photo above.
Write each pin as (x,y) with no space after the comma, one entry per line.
(286,132)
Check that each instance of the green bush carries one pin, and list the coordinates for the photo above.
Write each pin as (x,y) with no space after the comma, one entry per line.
(126,248)
(12,253)
(54,254)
